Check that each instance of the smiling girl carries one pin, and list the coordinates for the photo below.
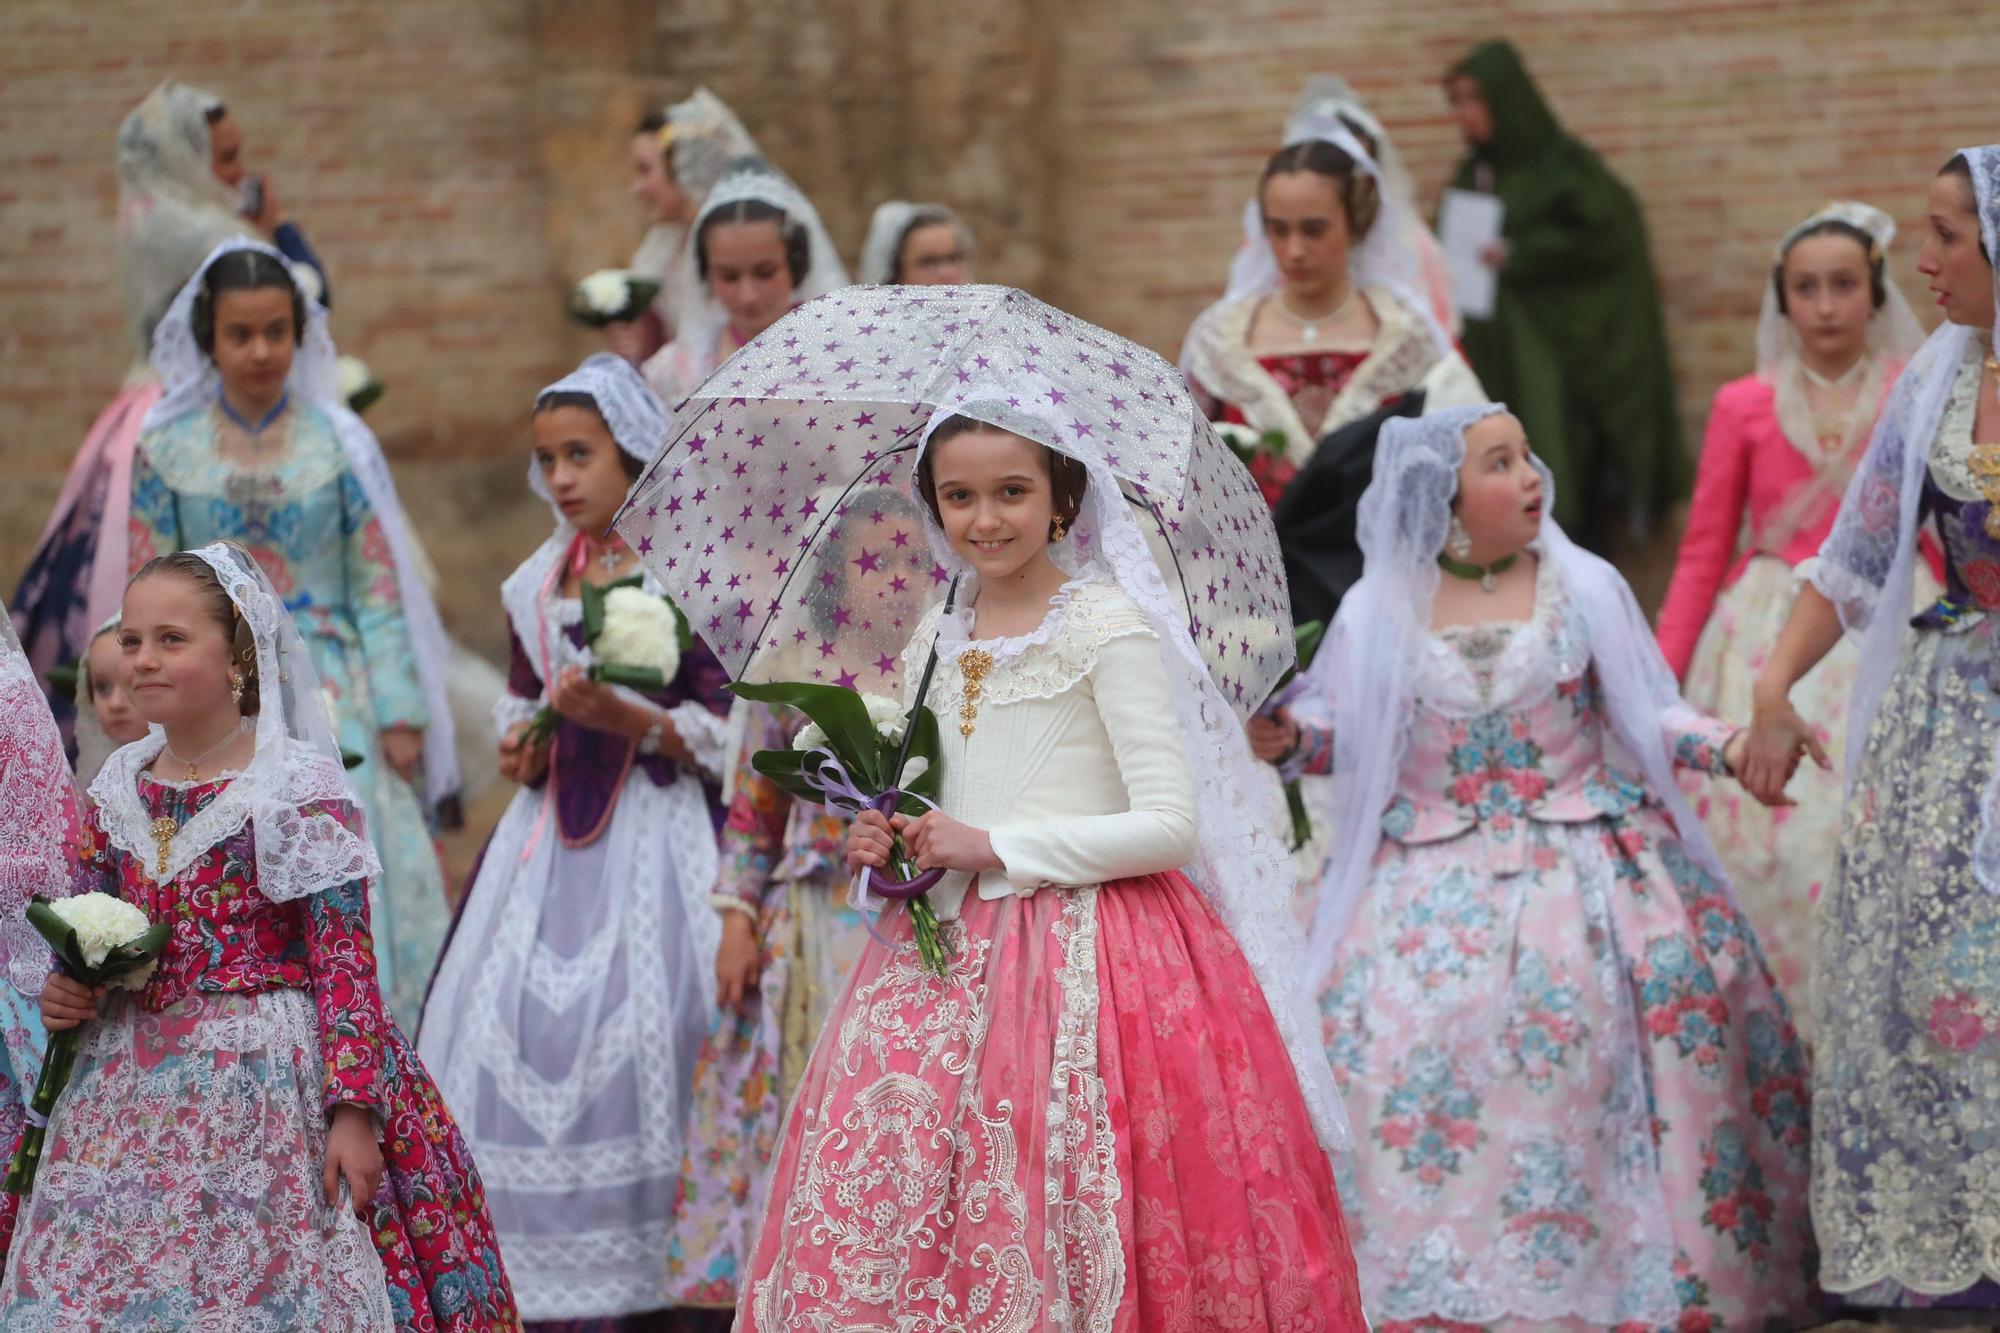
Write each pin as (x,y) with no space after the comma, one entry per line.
(575,991)
(1092,1121)
(758,249)
(248,1141)
(1579,1101)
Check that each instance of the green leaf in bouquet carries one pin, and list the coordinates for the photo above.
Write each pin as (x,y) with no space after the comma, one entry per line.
(63,678)
(1272,442)
(925,745)
(638,678)
(786,768)
(58,932)
(129,955)
(837,712)
(593,596)
(365,397)
(1307,639)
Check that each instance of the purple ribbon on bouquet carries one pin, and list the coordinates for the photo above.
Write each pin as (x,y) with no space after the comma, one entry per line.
(825,774)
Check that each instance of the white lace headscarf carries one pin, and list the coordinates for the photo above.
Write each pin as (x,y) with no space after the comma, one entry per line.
(1365,676)
(632,412)
(40,800)
(294,791)
(701,316)
(890,227)
(702,137)
(1240,865)
(1386,258)
(171,208)
(1893,331)
(191,383)
(1871,552)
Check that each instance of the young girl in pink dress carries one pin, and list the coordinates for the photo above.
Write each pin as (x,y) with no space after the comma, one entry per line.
(1092,1122)
(1781,445)
(249,1141)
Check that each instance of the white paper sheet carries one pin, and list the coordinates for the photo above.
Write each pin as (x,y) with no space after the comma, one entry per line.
(1469,222)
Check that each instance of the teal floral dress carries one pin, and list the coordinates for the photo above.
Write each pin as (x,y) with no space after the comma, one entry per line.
(287,494)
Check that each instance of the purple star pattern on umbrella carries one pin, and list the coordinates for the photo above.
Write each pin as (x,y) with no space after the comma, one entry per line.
(782,519)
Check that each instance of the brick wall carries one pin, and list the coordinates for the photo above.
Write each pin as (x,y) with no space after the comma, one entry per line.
(458,162)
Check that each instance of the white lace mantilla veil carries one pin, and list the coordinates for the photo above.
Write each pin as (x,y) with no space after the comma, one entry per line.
(750,178)
(171,208)
(1871,551)
(1893,336)
(297,766)
(191,383)
(1240,865)
(887,230)
(1365,675)
(37,793)
(1386,259)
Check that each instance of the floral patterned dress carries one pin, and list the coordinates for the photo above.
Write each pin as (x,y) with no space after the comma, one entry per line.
(1578,1099)
(1906,957)
(292,501)
(180,1185)
(783,862)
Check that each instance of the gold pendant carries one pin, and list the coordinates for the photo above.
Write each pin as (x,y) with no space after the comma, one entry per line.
(163,831)
(973,664)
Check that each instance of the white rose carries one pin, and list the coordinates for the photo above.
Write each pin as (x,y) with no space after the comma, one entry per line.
(101,922)
(886,714)
(310,286)
(810,737)
(640,630)
(351,376)
(606,291)
(1237,436)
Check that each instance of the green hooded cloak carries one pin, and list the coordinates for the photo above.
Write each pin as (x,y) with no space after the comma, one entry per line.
(1576,345)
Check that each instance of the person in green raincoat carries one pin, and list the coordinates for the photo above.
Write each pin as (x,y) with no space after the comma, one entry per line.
(1575,346)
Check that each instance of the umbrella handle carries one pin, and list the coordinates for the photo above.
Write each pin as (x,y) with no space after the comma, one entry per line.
(923,692)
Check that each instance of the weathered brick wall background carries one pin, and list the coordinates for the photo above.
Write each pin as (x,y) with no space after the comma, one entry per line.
(459,162)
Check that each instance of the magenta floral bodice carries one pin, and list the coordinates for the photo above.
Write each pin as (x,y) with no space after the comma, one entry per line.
(1509,729)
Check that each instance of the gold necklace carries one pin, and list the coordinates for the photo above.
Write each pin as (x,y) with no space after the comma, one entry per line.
(973,664)
(194,764)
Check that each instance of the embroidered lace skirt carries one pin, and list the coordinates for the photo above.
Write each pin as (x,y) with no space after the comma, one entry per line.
(1906,1079)
(1090,1125)
(1577,1098)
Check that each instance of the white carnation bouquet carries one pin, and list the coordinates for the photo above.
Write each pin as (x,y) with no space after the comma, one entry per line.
(612,296)
(100,940)
(636,640)
(1248,443)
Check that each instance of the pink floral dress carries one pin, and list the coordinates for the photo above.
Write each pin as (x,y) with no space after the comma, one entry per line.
(1578,1099)
(181,1181)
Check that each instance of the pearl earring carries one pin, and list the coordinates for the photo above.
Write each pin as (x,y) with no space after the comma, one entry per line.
(1460,541)
(236,687)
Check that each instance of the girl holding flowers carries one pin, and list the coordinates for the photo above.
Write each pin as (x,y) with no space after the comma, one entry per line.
(574,992)
(248,1140)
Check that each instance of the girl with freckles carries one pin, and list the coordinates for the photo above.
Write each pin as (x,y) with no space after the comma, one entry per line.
(1092,1121)
(248,1141)
(1579,1101)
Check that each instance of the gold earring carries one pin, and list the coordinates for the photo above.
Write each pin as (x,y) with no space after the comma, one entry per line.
(1058,530)
(236,687)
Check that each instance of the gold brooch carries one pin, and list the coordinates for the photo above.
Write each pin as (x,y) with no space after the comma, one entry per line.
(973,664)
(163,831)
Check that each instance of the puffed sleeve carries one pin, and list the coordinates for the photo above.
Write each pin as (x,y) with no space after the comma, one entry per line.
(1721,484)
(522,698)
(154,524)
(1157,831)
(377,608)
(340,951)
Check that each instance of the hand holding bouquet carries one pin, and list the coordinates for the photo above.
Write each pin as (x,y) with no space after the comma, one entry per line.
(1306,638)
(99,940)
(612,296)
(859,752)
(635,638)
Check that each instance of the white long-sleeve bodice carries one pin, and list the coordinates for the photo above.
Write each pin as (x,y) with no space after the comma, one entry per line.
(1075,766)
